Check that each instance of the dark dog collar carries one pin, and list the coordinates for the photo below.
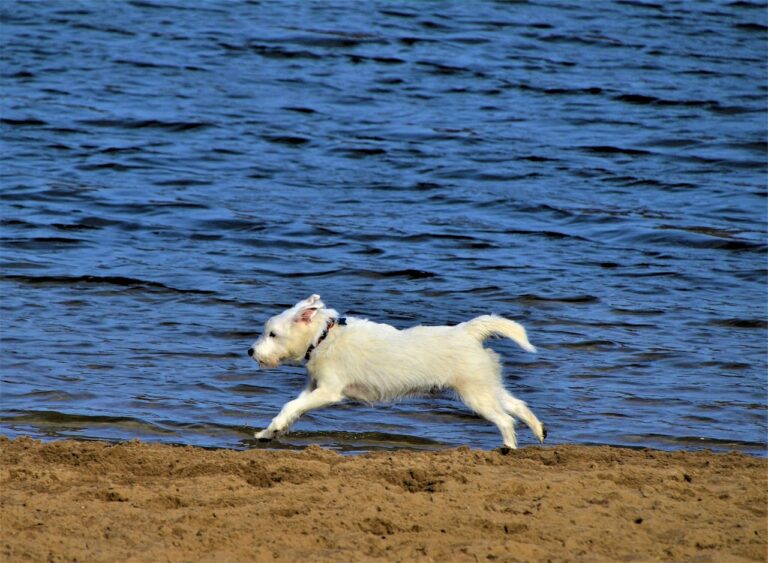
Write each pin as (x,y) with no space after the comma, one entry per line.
(342,321)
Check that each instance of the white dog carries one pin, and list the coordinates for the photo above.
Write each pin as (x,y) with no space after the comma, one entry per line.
(357,359)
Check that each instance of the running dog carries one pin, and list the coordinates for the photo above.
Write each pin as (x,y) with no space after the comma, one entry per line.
(353,358)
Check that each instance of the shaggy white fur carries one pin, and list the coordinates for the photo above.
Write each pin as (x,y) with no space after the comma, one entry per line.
(373,362)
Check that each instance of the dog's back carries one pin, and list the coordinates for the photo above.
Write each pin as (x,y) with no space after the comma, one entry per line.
(379,362)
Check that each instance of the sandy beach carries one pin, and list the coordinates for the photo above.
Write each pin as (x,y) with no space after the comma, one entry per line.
(95,501)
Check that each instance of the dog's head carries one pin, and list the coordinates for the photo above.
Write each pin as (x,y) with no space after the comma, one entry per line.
(287,336)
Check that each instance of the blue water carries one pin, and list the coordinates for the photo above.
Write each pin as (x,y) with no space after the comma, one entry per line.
(176,172)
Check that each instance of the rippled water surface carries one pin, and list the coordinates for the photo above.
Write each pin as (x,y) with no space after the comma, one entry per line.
(176,172)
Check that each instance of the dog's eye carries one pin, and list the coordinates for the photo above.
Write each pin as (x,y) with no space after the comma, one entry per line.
(272,335)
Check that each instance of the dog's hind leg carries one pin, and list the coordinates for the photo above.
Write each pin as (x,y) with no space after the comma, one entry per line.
(292,410)
(484,402)
(519,409)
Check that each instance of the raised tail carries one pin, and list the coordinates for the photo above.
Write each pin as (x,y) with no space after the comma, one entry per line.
(488,325)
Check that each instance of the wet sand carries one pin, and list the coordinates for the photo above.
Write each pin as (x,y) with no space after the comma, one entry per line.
(94,501)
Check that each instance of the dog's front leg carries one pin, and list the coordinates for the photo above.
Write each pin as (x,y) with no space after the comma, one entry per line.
(292,410)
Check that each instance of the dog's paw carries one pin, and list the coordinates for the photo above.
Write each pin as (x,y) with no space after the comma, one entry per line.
(264,436)
(544,433)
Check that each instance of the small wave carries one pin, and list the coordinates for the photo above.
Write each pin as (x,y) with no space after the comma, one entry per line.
(692,237)
(632,181)
(654,401)
(42,243)
(575,299)
(286,140)
(711,105)
(360,152)
(740,323)
(760,147)
(607,149)
(751,26)
(586,40)
(28,122)
(399,13)
(122,150)
(55,395)
(442,69)
(729,234)
(21,75)
(410,273)
(639,312)
(175,7)
(249,390)
(488,290)
(329,39)
(554,235)
(148,64)
(298,109)
(225,225)
(118,166)
(173,126)
(593,345)
(183,183)
(279,53)
(47,418)
(385,60)
(100,280)
(588,91)
(642,5)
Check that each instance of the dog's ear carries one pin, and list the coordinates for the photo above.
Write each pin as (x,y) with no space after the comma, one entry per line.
(307,309)
(311,301)
(305,315)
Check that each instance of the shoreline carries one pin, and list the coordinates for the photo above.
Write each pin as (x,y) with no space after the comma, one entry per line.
(100,501)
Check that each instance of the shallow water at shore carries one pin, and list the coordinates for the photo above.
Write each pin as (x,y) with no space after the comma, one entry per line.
(177,173)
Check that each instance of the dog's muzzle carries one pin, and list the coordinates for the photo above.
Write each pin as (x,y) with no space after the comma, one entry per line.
(262,363)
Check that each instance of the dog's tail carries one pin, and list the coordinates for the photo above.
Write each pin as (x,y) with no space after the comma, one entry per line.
(488,325)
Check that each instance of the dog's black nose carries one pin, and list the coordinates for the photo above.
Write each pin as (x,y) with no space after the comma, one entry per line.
(250,351)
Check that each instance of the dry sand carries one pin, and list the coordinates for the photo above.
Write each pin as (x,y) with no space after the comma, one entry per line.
(92,501)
